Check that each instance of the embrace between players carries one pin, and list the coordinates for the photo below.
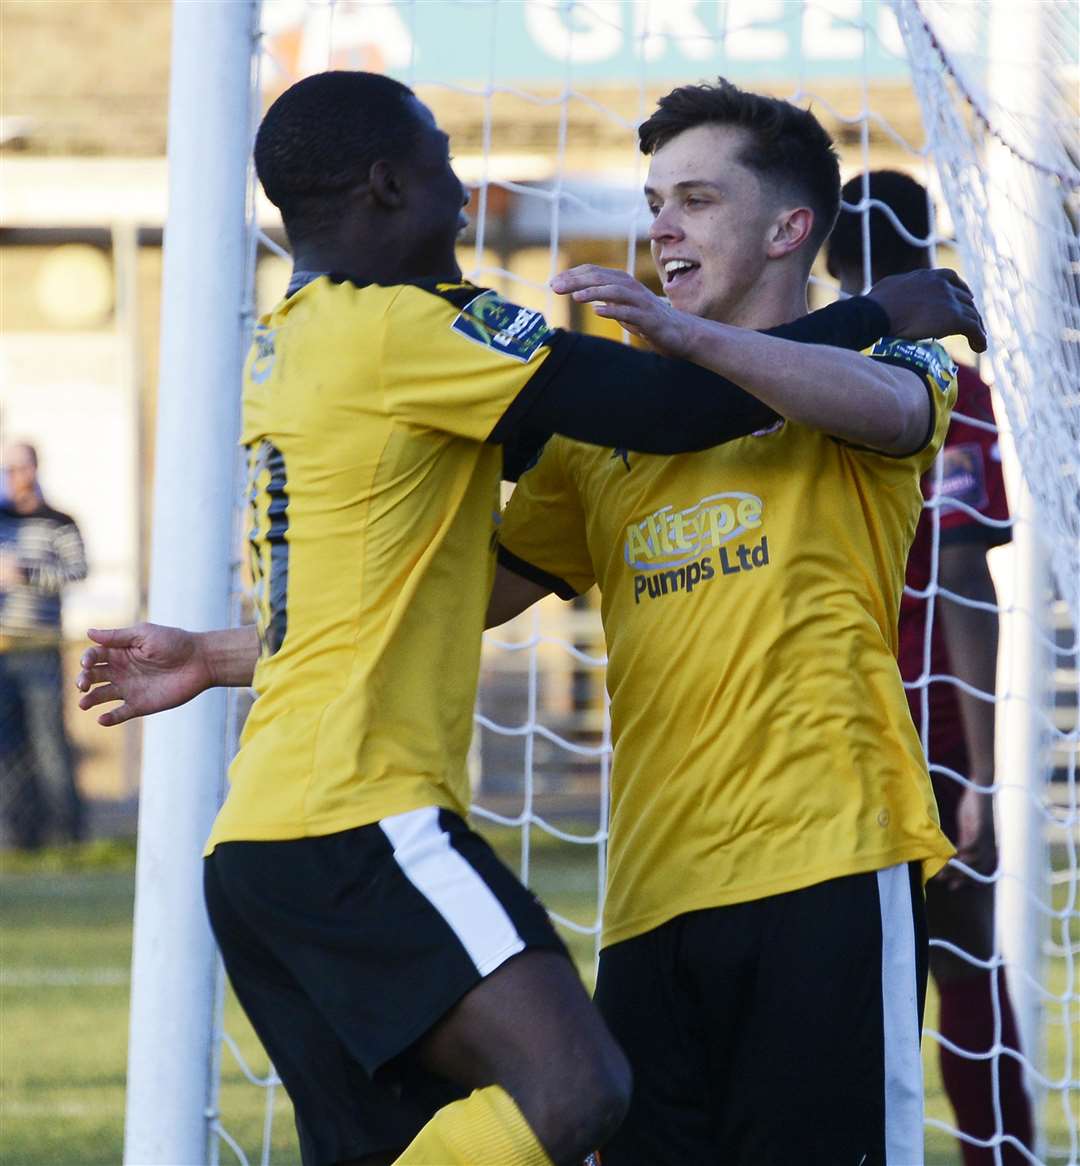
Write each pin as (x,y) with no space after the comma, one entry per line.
(760,988)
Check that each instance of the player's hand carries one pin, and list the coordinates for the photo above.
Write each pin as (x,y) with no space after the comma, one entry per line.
(976,841)
(619,296)
(930,303)
(148,668)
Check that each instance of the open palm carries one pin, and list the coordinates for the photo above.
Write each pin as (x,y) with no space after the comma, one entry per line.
(148,668)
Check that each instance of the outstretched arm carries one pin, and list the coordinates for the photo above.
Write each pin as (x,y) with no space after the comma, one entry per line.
(598,391)
(150,668)
(866,402)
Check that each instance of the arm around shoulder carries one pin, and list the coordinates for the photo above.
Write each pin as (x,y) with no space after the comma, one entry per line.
(880,404)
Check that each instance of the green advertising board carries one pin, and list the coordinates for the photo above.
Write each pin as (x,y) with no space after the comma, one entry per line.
(591,42)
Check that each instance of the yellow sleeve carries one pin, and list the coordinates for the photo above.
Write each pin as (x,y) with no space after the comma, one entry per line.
(543,533)
(457,357)
(933,365)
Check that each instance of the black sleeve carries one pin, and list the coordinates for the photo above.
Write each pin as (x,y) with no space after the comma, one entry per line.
(534,574)
(854,324)
(606,393)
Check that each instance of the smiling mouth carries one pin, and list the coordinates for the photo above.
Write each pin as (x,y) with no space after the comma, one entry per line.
(677,271)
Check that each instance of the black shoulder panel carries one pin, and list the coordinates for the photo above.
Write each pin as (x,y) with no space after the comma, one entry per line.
(458,294)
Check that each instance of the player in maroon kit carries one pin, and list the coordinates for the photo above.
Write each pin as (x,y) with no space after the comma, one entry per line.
(973,517)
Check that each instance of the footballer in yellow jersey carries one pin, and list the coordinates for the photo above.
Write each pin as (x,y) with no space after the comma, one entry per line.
(771,815)
(388,961)
(374,494)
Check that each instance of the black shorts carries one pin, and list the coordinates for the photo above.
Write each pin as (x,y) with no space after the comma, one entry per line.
(345,949)
(780,1031)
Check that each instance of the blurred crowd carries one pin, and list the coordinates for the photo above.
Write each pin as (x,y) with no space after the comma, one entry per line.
(41,552)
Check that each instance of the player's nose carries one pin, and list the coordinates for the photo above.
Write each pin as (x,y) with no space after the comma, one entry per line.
(665,226)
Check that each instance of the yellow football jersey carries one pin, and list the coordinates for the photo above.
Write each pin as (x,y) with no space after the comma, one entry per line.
(750,596)
(373,501)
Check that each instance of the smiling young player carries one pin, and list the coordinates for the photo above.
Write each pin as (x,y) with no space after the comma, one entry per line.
(764,947)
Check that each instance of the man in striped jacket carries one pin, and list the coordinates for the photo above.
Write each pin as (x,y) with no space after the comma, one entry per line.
(41,551)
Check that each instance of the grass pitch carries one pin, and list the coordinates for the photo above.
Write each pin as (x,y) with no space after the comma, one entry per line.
(65,919)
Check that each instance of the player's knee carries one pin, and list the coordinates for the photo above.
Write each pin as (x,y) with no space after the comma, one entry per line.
(585,1107)
(607,1095)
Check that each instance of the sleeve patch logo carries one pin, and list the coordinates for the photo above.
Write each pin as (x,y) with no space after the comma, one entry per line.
(502,326)
(963,476)
(927,357)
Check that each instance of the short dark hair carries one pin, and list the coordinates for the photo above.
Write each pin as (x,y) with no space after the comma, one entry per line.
(320,138)
(786,145)
(890,252)
(31,451)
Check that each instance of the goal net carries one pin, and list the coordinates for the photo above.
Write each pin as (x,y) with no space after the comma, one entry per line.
(541,99)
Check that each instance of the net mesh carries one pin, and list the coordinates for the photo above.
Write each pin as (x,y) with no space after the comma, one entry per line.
(1000,113)
(541,100)
(999,105)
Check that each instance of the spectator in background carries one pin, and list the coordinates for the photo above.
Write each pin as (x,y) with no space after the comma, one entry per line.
(960,732)
(41,552)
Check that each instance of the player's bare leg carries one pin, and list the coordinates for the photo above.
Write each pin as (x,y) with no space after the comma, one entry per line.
(530,1029)
(963,915)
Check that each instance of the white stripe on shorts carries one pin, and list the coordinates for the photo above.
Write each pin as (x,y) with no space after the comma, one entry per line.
(423,851)
(899,994)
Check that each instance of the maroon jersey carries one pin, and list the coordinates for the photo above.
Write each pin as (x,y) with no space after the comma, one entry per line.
(971,475)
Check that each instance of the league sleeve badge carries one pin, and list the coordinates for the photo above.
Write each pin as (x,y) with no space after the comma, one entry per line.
(503,327)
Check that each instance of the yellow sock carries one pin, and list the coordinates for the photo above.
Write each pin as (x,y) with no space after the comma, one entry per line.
(486,1129)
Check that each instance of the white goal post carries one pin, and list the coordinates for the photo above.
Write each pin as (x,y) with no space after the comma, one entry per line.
(1002,162)
(185,751)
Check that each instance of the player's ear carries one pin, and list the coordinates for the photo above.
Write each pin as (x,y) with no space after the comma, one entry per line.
(790,230)
(384,184)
